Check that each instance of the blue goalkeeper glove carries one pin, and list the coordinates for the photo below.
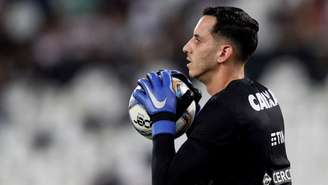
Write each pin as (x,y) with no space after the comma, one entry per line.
(159,99)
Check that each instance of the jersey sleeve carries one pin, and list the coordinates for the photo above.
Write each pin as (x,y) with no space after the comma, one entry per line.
(189,165)
(200,154)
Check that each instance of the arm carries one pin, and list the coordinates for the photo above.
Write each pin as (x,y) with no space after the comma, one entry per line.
(160,101)
(190,164)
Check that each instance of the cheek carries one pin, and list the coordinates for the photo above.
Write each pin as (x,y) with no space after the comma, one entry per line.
(206,55)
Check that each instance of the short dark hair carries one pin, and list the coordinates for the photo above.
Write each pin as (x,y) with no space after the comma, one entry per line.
(237,26)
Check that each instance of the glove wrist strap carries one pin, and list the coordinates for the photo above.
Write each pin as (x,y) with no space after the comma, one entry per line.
(163,127)
(163,116)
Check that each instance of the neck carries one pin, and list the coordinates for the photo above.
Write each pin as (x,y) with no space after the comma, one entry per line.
(223,76)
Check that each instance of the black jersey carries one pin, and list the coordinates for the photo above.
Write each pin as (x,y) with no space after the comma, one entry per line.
(236,139)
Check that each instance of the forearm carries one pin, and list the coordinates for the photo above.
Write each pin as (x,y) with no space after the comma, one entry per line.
(189,165)
(163,153)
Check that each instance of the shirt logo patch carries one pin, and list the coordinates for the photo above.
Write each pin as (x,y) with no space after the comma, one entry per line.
(281,176)
(277,138)
(262,100)
(266,179)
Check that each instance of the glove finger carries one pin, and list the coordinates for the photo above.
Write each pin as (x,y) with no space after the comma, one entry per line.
(145,85)
(159,72)
(167,79)
(140,96)
(182,77)
(183,103)
(154,79)
(195,92)
(173,71)
(139,90)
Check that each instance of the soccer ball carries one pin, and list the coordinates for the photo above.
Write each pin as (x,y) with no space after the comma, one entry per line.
(141,120)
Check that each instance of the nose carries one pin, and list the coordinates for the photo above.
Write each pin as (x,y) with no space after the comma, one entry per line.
(186,48)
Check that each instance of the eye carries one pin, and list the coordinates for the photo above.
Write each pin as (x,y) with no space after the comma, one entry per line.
(197,40)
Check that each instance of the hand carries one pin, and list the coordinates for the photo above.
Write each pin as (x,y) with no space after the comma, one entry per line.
(193,94)
(159,99)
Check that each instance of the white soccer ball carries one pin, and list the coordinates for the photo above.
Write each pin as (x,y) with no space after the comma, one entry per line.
(141,120)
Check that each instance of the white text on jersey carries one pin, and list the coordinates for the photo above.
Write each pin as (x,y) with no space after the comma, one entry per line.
(277,138)
(262,100)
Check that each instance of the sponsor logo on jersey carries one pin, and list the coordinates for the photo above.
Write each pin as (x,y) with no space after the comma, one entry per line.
(266,179)
(281,176)
(277,138)
(262,100)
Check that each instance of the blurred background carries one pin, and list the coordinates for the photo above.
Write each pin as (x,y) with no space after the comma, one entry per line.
(68,67)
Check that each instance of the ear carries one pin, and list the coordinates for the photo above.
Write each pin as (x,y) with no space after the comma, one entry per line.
(224,53)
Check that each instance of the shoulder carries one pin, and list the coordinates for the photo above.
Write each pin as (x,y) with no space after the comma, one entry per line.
(216,121)
(225,104)
(226,111)
(235,96)
(245,95)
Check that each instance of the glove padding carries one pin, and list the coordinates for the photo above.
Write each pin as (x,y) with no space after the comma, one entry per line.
(159,99)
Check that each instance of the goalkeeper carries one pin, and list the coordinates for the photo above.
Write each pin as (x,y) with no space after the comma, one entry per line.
(237,138)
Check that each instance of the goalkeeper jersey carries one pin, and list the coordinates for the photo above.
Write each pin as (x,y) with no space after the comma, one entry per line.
(237,138)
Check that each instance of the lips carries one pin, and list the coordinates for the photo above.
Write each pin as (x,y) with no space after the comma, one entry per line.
(189,61)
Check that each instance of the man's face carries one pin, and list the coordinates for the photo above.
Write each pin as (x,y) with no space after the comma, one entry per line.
(201,49)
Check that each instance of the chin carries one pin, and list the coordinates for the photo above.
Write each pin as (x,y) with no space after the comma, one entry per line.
(192,74)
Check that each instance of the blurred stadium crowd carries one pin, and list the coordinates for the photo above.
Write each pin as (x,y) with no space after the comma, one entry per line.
(67,68)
